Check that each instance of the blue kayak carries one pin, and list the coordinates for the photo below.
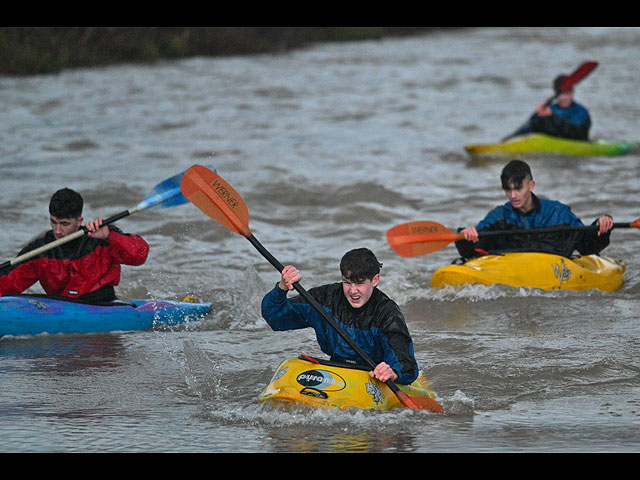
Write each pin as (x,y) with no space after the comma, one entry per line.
(32,315)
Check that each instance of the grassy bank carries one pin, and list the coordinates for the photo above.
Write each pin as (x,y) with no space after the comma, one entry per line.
(38,50)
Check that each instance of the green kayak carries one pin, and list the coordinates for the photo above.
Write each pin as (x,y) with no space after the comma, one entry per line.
(537,145)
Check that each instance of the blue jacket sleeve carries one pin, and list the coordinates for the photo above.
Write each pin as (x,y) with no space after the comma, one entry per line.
(398,351)
(280,313)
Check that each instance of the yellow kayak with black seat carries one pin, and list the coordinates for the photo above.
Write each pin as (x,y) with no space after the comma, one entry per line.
(311,382)
(535,270)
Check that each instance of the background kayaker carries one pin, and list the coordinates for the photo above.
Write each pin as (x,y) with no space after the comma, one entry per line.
(372,319)
(525,210)
(563,118)
(86,268)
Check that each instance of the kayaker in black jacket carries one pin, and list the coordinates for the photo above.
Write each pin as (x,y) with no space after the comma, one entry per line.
(524,210)
(564,118)
(370,317)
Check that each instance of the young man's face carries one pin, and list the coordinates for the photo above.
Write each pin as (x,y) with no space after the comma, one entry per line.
(520,195)
(64,226)
(359,293)
(565,99)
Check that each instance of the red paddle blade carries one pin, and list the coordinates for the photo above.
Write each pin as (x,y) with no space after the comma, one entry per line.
(580,72)
(414,239)
(216,198)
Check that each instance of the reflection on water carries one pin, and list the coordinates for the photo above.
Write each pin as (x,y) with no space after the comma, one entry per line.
(64,353)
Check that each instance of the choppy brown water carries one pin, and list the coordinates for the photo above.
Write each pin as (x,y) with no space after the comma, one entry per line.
(329,147)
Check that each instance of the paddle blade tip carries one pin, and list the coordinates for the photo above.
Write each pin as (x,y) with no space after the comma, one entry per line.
(420,403)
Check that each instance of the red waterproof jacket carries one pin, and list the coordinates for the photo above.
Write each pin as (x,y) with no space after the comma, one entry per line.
(76,268)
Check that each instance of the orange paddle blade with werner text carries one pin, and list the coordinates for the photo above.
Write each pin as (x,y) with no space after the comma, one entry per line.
(414,239)
(216,198)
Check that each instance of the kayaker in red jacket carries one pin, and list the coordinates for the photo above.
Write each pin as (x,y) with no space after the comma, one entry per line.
(86,268)
(524,210)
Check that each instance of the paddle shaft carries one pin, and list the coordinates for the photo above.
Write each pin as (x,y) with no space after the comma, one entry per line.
(454,237)
(556,229)
(309,299)
(61,241)
(414,239)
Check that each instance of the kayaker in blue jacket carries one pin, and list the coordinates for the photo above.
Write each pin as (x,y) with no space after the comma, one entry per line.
(368,315)
(564,118)
(525,210)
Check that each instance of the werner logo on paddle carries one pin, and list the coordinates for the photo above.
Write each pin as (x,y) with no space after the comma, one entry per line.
(420,228)
(225,194)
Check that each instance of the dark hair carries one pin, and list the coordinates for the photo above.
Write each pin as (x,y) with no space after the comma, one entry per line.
(515,172)
(359,264)
(66,203)
(557,83)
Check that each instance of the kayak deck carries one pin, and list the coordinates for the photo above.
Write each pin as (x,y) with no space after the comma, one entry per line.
(535,270)
(33,315)
(315,383)
(539,144)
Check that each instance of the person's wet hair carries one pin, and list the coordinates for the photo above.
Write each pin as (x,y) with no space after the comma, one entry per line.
(515,172)
(359,265)
(66,203)
(557,83)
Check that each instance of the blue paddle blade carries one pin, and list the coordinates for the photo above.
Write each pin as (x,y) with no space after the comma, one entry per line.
(166,194)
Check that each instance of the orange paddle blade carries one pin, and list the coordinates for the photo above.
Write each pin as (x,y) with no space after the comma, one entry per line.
(420,238)
(216,198)
(635,224)
(419,403)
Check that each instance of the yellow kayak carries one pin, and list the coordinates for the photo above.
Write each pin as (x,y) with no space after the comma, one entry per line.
(539,144)
(312,382)
(535,270)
